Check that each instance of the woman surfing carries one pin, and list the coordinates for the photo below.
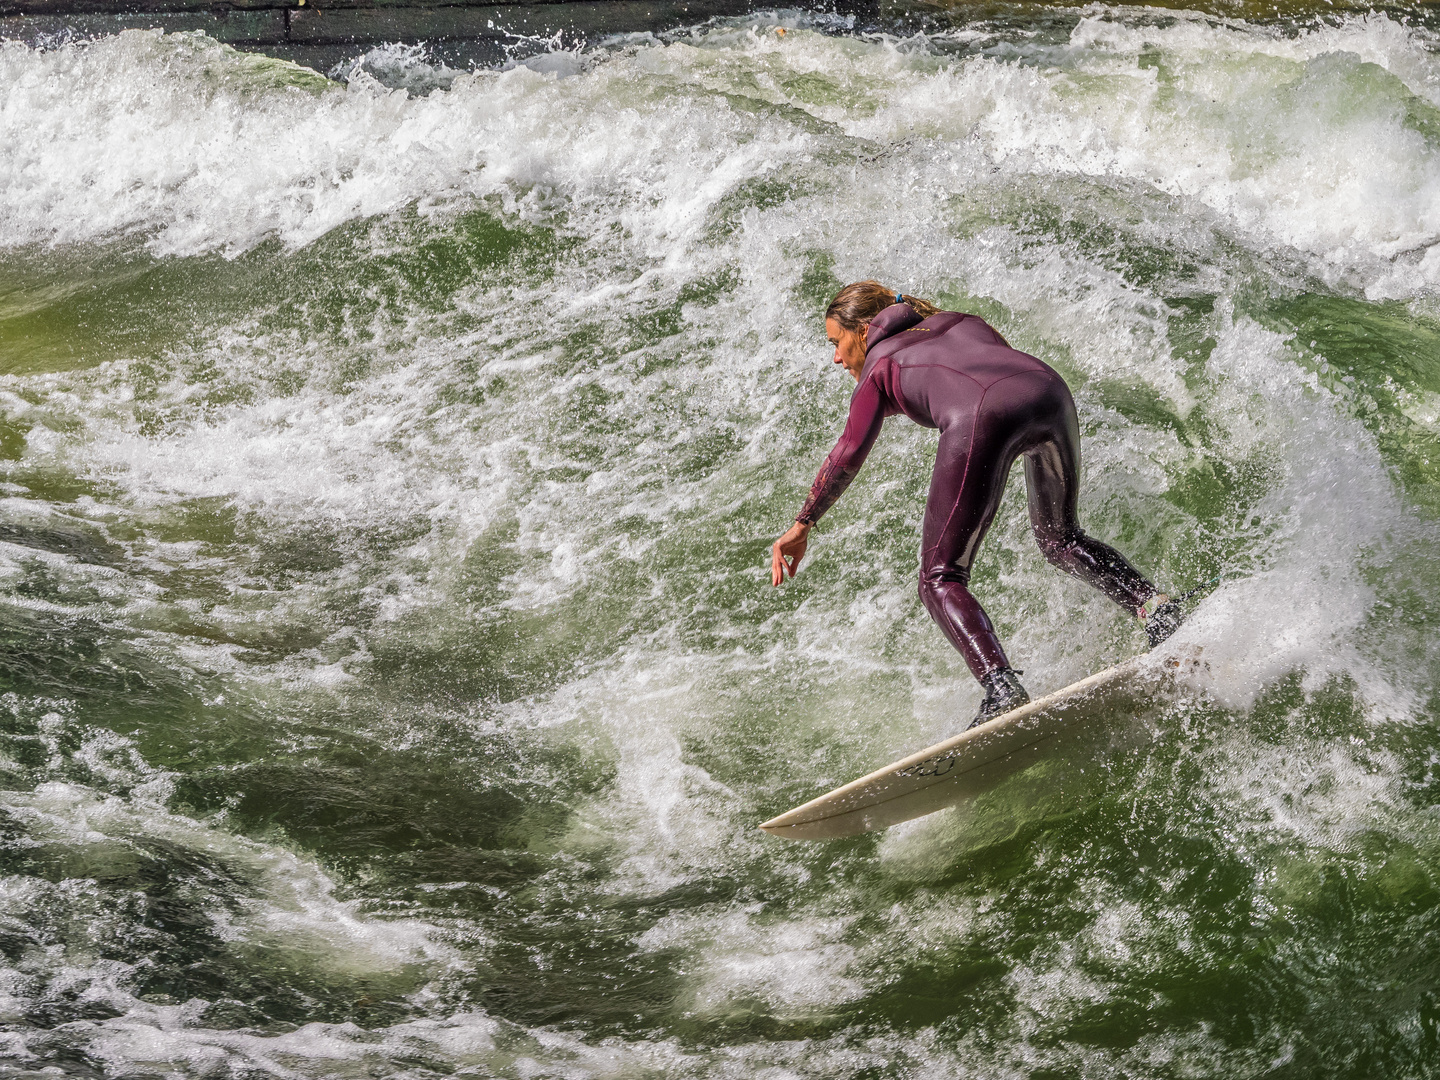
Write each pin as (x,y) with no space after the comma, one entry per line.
(992,404)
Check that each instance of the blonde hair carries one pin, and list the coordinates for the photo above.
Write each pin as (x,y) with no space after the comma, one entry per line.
(859,302)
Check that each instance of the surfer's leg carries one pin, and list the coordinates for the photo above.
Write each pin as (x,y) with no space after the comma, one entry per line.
(965,492)
(1052,475)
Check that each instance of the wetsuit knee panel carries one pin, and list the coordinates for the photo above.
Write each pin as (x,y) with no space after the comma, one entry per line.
(935,576)
(1059,548)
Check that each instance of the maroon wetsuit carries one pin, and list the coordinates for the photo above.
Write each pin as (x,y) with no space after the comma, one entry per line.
(992,404)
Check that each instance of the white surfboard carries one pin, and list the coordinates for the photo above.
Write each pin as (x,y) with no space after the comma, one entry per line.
(973,761)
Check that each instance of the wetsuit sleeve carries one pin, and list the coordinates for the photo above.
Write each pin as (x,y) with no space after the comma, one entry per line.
(867,413)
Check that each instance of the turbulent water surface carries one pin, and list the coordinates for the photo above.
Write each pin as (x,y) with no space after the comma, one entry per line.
(392,682)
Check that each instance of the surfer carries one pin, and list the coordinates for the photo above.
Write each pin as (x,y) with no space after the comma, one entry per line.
(992,404)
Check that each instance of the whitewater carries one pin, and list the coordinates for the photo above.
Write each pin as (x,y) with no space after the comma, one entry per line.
(389,461)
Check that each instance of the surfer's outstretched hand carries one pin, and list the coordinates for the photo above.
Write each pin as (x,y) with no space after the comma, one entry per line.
(787,552)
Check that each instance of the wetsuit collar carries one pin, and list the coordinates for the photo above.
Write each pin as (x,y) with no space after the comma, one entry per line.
(892,320)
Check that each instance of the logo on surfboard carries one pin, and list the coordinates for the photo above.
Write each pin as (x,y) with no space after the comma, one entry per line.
(933,766)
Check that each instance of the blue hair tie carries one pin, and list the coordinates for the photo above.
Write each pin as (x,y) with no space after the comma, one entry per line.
(899,299)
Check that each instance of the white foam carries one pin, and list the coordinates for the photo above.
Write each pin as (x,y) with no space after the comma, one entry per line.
(662,163)
(653,160)
(1328,167)
(292,903)
(743,957)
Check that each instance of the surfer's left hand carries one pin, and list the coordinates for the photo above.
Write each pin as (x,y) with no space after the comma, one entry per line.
(786,553)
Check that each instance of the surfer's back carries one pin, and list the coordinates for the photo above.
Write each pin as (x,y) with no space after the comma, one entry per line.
(963,343)
(914,363)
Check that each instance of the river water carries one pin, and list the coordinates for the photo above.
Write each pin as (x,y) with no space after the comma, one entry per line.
(392,682)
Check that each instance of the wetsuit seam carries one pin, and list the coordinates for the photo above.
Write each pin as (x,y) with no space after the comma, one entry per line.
(957,371)
(964,476)
(947,367)
(970,451)
(1014,375)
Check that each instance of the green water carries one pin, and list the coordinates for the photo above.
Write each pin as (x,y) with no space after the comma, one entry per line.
(392,681)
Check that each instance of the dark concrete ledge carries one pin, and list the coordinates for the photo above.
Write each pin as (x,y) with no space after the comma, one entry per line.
(321,33)
(155,7)
(334,26)
(234,27)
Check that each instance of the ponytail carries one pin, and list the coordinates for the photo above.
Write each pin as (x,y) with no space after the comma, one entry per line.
(856,304)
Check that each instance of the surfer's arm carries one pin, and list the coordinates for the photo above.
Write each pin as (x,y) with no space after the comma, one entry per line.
(867,413)
(862,428)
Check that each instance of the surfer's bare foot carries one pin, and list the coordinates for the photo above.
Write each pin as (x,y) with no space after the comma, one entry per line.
(1003,692)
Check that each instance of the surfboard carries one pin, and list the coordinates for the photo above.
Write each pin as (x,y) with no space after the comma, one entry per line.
(972,762)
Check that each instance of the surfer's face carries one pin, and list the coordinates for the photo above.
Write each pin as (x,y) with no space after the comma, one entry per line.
(849,347)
